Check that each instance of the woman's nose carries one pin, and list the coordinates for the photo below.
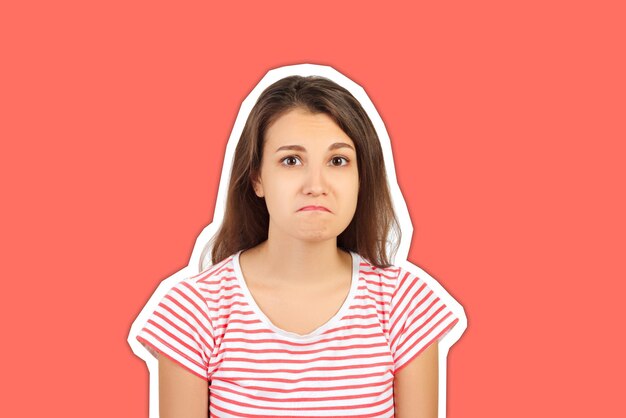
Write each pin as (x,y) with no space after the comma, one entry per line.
(315,181)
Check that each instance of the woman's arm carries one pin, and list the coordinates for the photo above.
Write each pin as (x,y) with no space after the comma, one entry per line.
(182,394)
(415,386)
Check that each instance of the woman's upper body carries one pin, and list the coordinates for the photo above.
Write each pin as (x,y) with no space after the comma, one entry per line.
(349,364)
(301,313)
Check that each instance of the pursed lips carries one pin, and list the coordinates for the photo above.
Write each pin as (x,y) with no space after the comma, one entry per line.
(319,208)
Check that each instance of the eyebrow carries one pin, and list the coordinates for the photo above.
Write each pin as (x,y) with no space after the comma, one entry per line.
(332,147)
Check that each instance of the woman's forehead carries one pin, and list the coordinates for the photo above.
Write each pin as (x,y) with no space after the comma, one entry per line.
(301,129)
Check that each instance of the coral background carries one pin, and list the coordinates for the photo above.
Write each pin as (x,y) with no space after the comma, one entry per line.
(507,121)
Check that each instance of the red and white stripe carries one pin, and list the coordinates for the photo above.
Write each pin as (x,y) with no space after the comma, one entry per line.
(210,325)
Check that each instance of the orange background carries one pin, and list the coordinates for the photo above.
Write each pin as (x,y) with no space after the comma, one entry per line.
(507,124)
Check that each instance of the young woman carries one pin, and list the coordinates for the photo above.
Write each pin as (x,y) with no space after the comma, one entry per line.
(301,312)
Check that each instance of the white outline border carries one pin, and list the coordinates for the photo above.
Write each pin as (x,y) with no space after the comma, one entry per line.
(200,255)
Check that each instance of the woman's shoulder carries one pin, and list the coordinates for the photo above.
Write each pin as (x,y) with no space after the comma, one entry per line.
(396,278)
(387,271)
(215,273)
(379,283)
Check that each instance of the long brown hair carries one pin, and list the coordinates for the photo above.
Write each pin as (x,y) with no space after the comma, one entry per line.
(246,219)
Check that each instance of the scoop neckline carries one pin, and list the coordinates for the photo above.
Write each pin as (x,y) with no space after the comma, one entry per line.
(292,335)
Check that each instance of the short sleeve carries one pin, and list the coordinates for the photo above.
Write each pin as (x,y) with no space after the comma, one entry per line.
(180,328)
(418,318)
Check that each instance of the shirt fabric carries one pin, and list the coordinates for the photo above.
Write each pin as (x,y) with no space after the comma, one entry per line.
(211,325)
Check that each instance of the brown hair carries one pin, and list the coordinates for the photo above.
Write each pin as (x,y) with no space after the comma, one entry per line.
(246,219)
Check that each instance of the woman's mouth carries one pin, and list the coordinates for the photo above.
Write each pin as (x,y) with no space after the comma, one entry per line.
(320,208)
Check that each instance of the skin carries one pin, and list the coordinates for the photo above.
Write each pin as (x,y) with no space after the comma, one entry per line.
(181,393)
(415,386)
(307,160)
(302,245)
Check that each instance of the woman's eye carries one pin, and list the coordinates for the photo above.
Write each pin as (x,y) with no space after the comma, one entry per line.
(290,160)
(336,161)
(293,160)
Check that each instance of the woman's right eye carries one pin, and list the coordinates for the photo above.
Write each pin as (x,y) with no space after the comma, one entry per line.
(290,160)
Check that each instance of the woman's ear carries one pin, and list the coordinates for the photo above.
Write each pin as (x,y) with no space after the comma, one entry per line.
(257,186)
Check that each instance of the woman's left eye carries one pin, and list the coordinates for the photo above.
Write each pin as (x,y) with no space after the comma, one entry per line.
(339,159)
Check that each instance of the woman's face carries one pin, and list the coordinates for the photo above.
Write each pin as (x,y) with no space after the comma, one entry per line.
(308,161)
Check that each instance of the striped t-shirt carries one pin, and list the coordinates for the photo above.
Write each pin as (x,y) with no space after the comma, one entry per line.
(211,325)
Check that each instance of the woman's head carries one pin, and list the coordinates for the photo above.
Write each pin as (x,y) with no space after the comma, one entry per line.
(308,178)
(246,219)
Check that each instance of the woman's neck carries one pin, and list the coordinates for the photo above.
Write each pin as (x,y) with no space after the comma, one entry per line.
(302,263)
